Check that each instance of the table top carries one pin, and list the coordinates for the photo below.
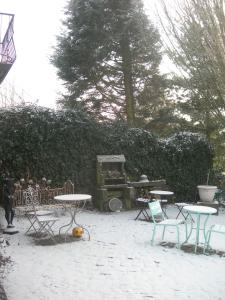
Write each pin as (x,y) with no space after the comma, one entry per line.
(73,197)
(198,209)
(182,204)
(145,200)
(163,193)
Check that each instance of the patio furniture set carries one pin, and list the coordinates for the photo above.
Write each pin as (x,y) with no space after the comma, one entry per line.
(154,210)
(42,221)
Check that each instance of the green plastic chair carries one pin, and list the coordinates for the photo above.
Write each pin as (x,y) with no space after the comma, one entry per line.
(216,228)
(156,210)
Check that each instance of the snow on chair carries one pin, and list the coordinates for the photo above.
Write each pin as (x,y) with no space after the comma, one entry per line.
(156,210)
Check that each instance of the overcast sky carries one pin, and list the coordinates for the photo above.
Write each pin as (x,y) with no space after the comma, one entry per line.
(36,25)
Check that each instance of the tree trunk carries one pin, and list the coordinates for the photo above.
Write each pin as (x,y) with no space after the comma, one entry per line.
(128,82)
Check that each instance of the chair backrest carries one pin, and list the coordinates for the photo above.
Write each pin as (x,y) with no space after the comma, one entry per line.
(31,197)
(68,187)
(155,209)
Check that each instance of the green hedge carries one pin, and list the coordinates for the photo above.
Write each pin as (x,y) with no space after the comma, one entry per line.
(37,142)
(186,159)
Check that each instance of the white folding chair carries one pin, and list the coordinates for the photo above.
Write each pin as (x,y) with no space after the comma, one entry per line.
(156,210)
(45,223)
(31,212)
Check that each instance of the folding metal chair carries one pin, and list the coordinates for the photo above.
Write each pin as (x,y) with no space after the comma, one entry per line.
(45,224)
(31,212)
(143,202)
(180,206)
(155,209)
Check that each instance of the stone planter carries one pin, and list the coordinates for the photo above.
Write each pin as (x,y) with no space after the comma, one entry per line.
(207,192)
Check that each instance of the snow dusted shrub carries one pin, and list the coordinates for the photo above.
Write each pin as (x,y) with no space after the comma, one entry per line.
(59,145)
(140,148)
(185,161)
(38,142)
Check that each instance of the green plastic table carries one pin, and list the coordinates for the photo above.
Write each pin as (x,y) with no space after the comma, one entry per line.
(198,211)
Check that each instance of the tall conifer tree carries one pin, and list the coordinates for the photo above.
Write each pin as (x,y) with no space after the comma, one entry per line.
(108,57)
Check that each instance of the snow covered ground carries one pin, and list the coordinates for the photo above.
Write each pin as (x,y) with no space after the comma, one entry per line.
(117,263)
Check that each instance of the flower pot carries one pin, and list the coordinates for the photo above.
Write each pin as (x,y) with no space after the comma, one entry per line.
(206,192)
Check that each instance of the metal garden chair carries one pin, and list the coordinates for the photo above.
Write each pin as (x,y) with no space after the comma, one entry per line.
(216,228)
(156,210)
(41,221)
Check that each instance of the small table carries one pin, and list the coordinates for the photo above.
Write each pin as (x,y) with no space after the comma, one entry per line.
(162,201)
(74,203)
(198,211)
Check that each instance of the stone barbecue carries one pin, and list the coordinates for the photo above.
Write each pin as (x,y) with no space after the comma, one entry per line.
(112,181)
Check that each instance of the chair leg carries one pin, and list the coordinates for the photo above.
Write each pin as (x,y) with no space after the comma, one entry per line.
(50,232)
(46,228)
(32,224)
(164,228)
(207,241)
(50,227)
(186,231)
(153,235)
(178,237)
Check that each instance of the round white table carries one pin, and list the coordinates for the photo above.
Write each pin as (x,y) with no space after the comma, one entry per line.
(198,211)
(74,203)
(161,193)
(162,201)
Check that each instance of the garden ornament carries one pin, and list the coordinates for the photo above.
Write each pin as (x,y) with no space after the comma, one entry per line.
(8,191)
(143,178)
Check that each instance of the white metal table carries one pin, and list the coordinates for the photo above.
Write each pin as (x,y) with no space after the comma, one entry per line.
(198,211)
(74,203)
(162,201)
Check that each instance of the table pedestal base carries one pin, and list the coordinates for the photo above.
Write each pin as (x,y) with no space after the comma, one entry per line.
(198,229)
(71,224)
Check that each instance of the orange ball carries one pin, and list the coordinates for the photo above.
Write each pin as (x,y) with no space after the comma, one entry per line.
(77,232)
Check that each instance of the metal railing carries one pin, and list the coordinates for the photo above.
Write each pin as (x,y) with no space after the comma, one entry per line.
(45,195)
(7,46)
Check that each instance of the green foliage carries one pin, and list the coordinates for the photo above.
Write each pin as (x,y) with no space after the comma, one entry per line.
(196,45)
(109,56)
(37,142)
(140,148)
(195,42)
(186,159)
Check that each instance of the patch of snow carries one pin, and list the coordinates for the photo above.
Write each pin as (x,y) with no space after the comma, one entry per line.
(118,263)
